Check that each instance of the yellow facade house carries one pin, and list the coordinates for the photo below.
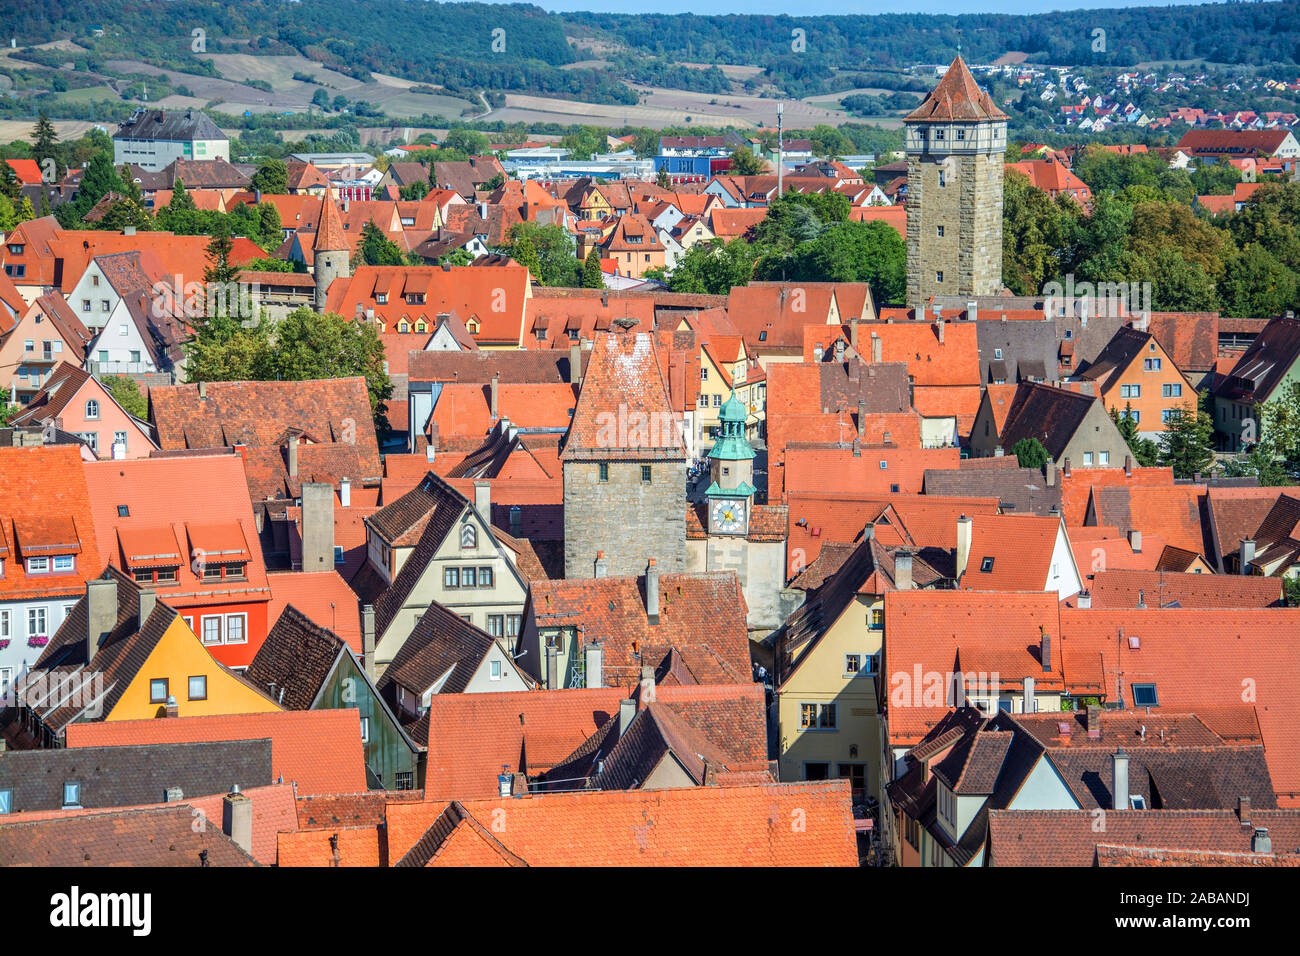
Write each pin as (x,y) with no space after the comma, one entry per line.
(121,654)
(827,657)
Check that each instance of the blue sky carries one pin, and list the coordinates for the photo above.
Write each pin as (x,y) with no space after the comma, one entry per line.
(827,7)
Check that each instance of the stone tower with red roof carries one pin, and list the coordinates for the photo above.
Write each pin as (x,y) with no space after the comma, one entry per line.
(624,461)
(955,141)
(331,251)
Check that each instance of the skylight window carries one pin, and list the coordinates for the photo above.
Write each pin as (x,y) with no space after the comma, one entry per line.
(123,511)
(1144,695)
(986,565)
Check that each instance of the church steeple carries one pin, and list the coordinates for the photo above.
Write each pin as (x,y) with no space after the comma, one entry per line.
(731,467)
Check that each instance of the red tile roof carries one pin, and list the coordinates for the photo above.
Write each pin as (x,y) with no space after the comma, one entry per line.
(1120,588)
(957,98)
(1022,548)
(318,750)
(1252,662)
(1172,512)
(323,596)
(838,469)
(43,486)
(700,826)
(1076,487)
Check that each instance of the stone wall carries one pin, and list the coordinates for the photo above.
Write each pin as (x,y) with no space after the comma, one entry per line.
(630,520)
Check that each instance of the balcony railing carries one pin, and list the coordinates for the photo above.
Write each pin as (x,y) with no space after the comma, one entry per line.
(119,368)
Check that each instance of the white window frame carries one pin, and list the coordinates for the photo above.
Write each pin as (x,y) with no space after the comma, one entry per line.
(494,670)
(243,627)
(214,619)
(70,565)
(40,565)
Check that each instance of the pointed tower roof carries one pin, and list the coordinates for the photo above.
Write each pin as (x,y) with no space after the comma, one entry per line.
(957,98)
(329,234)
(623,410)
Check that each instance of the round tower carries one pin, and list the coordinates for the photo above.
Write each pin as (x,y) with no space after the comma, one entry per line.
(331,252)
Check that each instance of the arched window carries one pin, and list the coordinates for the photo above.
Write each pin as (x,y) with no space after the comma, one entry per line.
(469,536)
(92,410)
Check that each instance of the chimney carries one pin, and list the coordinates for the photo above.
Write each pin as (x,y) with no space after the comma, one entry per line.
(171,708)
(483,500)
(1247,554)
(1260,842)
(877,348)
(505,782)
(101,613)
(1094,718)
(626,711)
(1044,648)
(1065,468)
(963,544)
(128,230)
(999,452)
(1135,540)
(575,364)
(652,592)
(203,391)
(1119,777)
(368,639)
(1243,810)
(516,521)
(495,389)
(862,418)
(1049,471)
(148,601)
(345,493)
(293,456)
(317,525)
(594,664)
(1085,600)
(237,819)
(839,350)
(903,570)
(1027,705)
(1128,466)
(972,311)
(552,667)
(431,447)
(938,327)
(869,531)
(853,332)
(602,566)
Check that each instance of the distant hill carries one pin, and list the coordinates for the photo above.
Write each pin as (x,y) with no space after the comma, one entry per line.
(467,47)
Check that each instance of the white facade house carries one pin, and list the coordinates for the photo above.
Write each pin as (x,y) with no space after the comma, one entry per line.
(153,139)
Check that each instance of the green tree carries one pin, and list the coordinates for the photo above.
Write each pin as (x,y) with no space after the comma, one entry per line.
(745,163)
(376,249)
(468,141)
(584,143)
(125,212)
(320,99)
(1145,452)
(1037,233)
(1187,444)
(270,265)
(663,180)
(592,277)
(1255,283)
(714,267)
(8,215)
(10,186)
(25,211)
(306,345)
(1030,453)
(128,395)
(547,251)
(45,142)
(272,178)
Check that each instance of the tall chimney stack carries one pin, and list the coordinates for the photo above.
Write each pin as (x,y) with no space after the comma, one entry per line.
(903,570)
(237,819)
(494,390)
(148,601)
(594,664)
(1247,554)
(963,544)
(293,456)
(317,524)
(575,363)
(368,639)
(101,614)
(483,500)
(1119,776)
(602,566)
(652,592)
(1044,648)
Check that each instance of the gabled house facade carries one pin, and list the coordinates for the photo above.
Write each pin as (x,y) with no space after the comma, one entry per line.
(76,402)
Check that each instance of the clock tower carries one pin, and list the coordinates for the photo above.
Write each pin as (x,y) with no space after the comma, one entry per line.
(731,468)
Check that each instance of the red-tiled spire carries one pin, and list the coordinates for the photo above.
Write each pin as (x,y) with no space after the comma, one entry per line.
(329,235)
(956,98)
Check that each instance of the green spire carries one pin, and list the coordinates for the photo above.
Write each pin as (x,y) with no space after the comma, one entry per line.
(732,445)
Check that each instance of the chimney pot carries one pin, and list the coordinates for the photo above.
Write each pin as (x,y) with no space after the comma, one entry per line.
(602,566)
(368,639)
(1261,842)
(1085,599)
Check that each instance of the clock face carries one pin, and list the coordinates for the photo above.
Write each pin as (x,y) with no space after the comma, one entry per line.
(729,516)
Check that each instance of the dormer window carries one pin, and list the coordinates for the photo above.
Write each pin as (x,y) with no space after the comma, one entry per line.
(381,298)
